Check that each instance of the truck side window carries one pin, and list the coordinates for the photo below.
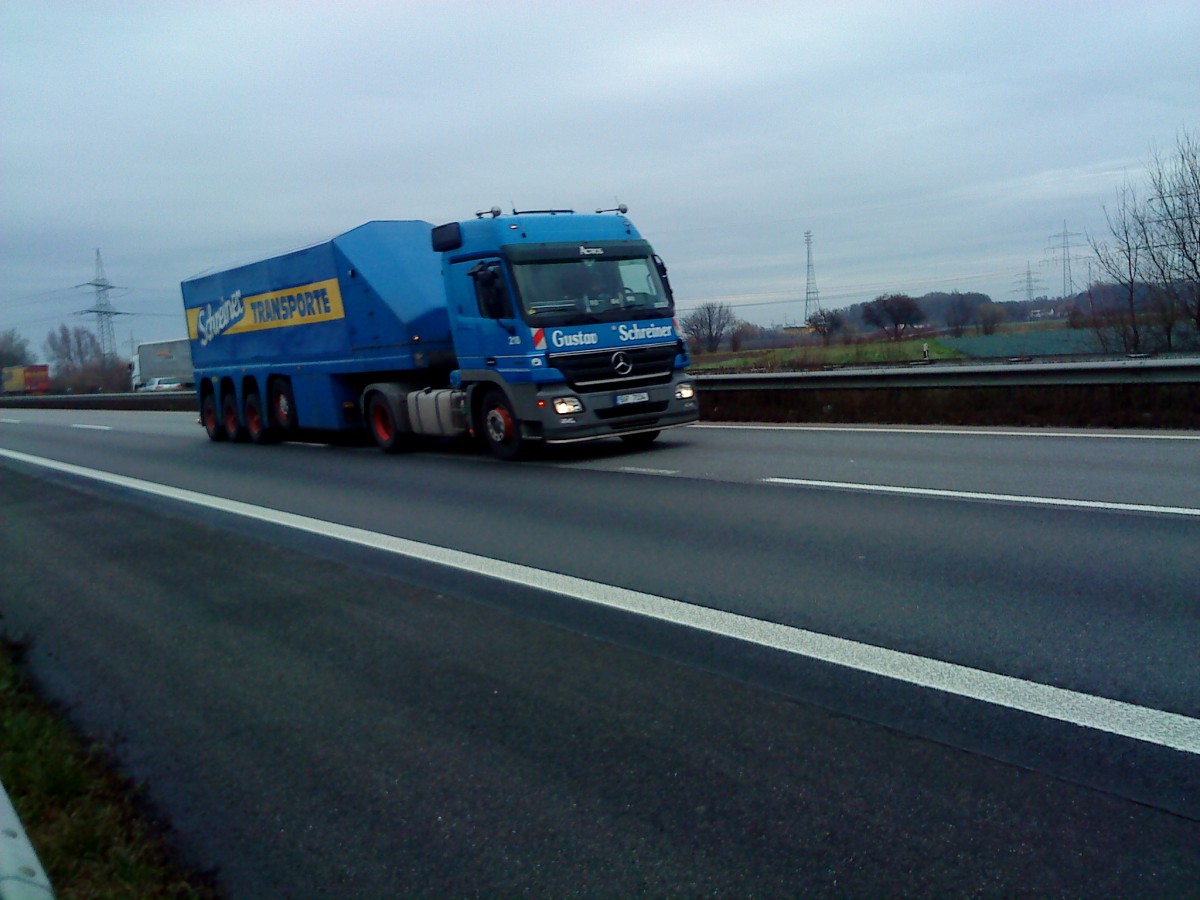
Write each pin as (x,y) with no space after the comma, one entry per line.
(491,291)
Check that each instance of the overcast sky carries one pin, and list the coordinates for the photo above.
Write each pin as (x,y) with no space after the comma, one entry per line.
(926,145)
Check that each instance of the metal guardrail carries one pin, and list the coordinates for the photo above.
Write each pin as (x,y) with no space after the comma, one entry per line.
(1182,370)
(936,374)
(142,400)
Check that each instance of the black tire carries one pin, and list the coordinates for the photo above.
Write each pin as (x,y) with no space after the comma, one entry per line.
(381,422)
(258,427)
(283,405)
(234,430)
(640,440)
(501,428)
(211,418)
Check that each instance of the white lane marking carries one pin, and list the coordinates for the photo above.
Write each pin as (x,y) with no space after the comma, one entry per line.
(10,421)
(93,427)
(638,470)
(934,431)
(976,495)
(1141,723)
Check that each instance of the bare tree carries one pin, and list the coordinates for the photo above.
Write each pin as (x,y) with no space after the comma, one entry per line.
(1164,310)
(80,366)
(1153,256)
(14,349)
(894,313)
(72,349)
(990,316)
(959,314)
(707,324)
(740,332)
(826,323)
(1169,223)
(1122,260)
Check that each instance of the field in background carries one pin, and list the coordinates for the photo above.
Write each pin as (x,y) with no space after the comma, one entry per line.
(1054,340)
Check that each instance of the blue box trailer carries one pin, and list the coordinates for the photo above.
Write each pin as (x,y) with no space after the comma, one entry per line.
(535,327)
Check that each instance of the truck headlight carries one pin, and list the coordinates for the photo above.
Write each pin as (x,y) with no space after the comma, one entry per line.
(565,406)
(685,392)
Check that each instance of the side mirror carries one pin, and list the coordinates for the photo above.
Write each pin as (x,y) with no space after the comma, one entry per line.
(485,276)
(662,274)
(447,237)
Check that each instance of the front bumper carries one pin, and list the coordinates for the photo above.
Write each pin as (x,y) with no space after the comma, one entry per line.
(603,417)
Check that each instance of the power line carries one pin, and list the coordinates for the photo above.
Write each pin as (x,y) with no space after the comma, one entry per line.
(12,303)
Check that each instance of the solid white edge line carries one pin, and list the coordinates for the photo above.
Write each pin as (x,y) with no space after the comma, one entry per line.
(1117,717)
(975,495)
(935,430)
(21,874)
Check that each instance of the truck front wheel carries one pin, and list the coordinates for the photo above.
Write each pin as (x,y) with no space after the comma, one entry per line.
(501,429)
(210,417)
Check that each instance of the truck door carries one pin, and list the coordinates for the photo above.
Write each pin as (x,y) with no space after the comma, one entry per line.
(489,333)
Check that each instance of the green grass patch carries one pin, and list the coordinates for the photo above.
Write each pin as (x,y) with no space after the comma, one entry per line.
(790,359)
(86,822)
(1035,343)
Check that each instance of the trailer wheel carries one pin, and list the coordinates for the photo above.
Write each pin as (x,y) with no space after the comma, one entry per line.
(229,413)
(381,419)
(283,404)
(256,423)
(501,429)
(210,418)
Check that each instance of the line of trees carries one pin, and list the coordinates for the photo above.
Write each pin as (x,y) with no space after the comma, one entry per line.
(1147,298)
(75,360)
(898,316)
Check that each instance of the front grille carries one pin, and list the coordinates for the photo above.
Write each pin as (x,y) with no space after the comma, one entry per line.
(592,370)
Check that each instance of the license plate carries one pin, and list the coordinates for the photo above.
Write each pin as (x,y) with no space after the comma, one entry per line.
(624,399)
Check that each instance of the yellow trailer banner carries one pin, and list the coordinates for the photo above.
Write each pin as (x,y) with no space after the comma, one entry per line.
(306,304)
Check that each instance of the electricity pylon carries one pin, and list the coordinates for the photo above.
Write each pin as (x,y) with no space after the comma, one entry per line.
(810,288)
(102,309)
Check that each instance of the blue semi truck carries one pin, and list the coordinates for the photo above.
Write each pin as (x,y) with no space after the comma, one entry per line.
(540,327)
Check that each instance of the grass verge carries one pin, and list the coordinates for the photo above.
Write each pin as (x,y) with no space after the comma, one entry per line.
(810,356)
(93,835)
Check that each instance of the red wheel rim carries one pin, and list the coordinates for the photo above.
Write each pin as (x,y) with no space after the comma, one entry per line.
(253,418)
(381,421)
(210,413)
(499,425)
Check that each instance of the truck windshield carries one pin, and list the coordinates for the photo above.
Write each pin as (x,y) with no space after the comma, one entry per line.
(579,291)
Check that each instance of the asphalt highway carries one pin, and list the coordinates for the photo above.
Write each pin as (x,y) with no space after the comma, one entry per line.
(748,661)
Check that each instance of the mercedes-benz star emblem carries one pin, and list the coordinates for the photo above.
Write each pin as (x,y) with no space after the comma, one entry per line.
(621,363)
